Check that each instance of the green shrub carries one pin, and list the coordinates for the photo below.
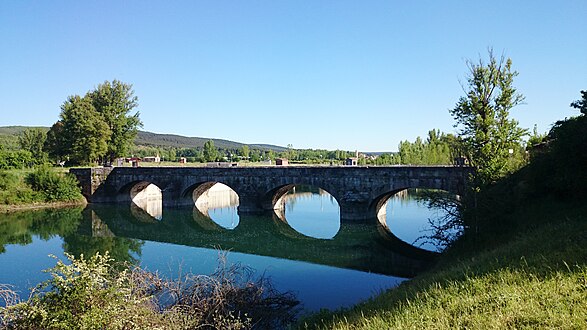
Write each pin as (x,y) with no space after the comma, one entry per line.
(54,186)
(96,293)
(8,180)
(14,191)
(15,159)
(86,294)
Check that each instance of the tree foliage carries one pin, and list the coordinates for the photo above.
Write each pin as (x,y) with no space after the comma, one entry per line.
(32,140)
(438,149)
(245,151)
(483,116)
(114,101)
(582,103)
(559,165)
(84,133)
(96,126)
(210,151)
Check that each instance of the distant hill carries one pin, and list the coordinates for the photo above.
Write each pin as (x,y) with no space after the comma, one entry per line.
(16,130)
(179,141)
(9,134)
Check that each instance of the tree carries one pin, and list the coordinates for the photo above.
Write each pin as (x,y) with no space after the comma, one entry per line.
(245,151)
(535,138)
(483,117)
(84,132)
(55,144)
(582,103)
(32,140)
(210,151)
(114,101)
(97,126)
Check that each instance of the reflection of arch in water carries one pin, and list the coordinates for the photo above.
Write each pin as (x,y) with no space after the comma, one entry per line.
(143,216)
(308,222)
(144,195)
(215,201)
(380,205)
(406,215)
(204,221)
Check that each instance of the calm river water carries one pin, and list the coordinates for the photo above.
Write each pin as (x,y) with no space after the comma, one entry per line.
(302,247)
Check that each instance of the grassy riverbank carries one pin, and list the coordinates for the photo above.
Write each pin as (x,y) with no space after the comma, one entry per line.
(535,277)
(521,264)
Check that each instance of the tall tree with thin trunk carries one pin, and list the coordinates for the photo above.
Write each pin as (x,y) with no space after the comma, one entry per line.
(210,151)
(483,117)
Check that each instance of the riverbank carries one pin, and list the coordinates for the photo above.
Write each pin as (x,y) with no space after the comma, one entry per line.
(535,276)
(37,206)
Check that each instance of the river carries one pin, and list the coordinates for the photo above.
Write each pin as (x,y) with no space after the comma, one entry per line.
(302,246)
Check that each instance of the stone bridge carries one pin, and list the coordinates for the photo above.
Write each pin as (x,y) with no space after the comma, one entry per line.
(360,191)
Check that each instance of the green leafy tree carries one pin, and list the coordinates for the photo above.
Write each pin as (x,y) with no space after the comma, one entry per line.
(483,117)
(269,155)
(84,131)
(115,101)
(582,103)
(33,140)
(535,138)
(245,151)
(95,127)
(56,142)
(210,151)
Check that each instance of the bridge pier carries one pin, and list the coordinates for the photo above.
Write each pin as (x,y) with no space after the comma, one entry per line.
(356,212)
(251,203)
(173,197)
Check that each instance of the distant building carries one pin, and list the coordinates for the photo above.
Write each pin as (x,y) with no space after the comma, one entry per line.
(134,161)
(221,164)
(152,159)
(281,161)
(182,160)
(351,161)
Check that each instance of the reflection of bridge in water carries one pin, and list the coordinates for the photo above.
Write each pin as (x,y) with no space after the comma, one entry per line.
(356,246)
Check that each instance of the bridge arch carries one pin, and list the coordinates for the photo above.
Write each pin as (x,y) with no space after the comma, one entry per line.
(272,199)
(214,201)
(145,198)
(310,210)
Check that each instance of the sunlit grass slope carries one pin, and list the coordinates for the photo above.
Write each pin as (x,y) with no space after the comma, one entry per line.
(535,278)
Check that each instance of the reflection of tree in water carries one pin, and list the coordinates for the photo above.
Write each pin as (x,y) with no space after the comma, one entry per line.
(94,235)
(120,248)
(19,227)
(441,229)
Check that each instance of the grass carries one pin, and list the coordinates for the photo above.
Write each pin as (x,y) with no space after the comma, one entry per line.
(534,278)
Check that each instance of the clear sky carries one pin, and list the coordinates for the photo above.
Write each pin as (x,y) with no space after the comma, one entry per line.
(315,74)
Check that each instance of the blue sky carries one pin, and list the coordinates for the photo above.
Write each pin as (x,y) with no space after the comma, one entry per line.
(315,74)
